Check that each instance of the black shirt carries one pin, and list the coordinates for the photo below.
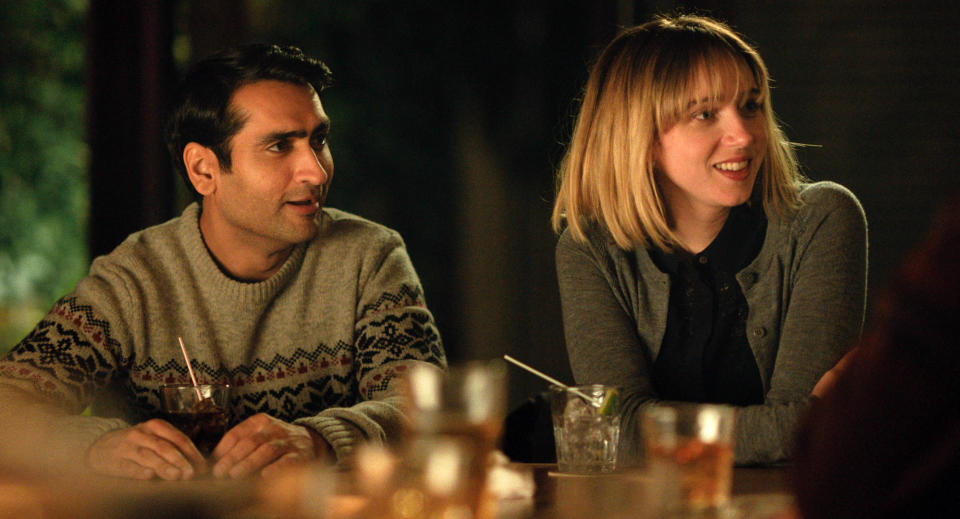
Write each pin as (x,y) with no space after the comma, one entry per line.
(705,356)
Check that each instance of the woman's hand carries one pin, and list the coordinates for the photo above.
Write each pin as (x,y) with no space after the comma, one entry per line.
(829,379)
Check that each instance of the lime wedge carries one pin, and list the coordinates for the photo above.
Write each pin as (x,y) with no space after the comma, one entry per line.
(608,405)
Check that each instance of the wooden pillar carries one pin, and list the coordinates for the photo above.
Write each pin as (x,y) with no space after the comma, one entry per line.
(130,73)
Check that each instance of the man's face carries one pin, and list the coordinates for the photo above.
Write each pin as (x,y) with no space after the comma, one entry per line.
(281,169)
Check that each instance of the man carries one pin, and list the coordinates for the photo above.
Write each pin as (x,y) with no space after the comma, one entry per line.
(310,313)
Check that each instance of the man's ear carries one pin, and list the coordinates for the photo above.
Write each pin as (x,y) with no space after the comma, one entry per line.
(203,168)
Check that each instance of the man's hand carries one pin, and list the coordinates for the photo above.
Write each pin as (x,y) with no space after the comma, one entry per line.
(150,449)
(264,443)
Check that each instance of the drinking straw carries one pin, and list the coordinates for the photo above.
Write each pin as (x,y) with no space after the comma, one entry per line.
(593,401)
(190,367)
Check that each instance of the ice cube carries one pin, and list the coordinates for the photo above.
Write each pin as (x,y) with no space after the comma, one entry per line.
(577,410)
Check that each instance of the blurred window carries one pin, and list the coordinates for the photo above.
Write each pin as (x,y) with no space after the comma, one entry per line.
(43,157)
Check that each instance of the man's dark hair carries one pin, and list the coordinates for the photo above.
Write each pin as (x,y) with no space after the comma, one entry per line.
(201,111)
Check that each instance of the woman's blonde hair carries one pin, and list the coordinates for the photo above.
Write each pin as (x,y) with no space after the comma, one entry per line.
(638,88)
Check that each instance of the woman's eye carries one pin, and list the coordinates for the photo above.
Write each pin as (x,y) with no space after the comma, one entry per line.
(702,115)
(752,106)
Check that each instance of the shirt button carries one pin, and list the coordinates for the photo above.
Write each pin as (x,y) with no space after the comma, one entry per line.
(759,331)
(702,260)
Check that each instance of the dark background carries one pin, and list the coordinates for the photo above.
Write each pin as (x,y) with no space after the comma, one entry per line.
(449,119)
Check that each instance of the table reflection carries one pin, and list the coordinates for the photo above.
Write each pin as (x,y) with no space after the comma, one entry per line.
(319,492)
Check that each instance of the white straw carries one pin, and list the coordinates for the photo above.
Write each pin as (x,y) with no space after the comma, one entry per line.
(190,368)
(594,401)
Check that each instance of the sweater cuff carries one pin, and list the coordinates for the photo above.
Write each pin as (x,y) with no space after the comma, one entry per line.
(342,436)
(75,435)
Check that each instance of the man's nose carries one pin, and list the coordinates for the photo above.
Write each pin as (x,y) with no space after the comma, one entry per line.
(310,167)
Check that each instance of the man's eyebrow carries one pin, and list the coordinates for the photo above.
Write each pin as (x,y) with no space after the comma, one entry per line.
(281,136)
(323,127)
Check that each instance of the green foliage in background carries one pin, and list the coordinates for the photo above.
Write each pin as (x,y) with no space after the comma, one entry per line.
(43,186)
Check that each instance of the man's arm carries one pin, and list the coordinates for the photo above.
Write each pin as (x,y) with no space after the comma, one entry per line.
(393,331)
(26,423)
(31,439)
(50,377)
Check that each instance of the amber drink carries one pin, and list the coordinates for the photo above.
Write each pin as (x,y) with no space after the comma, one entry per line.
(689,450)
(457,419)
(200,412)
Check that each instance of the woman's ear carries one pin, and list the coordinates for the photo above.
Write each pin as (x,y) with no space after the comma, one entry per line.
(203,168)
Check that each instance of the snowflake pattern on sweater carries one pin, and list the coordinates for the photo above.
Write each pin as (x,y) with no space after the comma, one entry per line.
(326,339)
(82,356)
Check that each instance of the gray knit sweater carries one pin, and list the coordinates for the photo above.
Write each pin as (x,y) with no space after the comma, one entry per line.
(319,343)
(806,293)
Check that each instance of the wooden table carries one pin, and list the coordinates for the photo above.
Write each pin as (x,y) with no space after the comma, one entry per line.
(757,492)
(319,494)
(761,480)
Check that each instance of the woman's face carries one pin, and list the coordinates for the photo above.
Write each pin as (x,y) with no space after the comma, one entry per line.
(707,162)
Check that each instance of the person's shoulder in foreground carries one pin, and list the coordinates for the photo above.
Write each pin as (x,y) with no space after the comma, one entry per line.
(884,440)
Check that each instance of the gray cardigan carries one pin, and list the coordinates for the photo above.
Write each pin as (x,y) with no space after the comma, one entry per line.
(806,293)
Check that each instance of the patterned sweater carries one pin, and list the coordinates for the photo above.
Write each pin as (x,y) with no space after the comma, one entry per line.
(320,343)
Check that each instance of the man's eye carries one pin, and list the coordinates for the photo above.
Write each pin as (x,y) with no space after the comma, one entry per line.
(318,141)
(279,146)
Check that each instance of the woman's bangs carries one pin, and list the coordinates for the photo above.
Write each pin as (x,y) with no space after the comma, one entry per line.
(715,69)
(727,77)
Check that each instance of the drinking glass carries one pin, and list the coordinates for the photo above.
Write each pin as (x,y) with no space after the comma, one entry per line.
(457,418)
(689,452)
(586,428)
(201,412)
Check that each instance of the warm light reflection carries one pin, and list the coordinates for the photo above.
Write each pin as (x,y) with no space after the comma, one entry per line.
(408,503)
(20,501)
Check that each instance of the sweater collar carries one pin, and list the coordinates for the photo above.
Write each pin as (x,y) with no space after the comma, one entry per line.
(210,274)
(738,243)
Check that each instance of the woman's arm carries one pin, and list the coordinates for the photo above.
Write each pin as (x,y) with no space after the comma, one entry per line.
(601,337)
(821,316)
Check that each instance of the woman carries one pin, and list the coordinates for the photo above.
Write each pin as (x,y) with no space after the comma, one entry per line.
(694,264)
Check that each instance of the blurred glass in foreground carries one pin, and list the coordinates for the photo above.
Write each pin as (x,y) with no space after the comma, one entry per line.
(442,469)
(689,454)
